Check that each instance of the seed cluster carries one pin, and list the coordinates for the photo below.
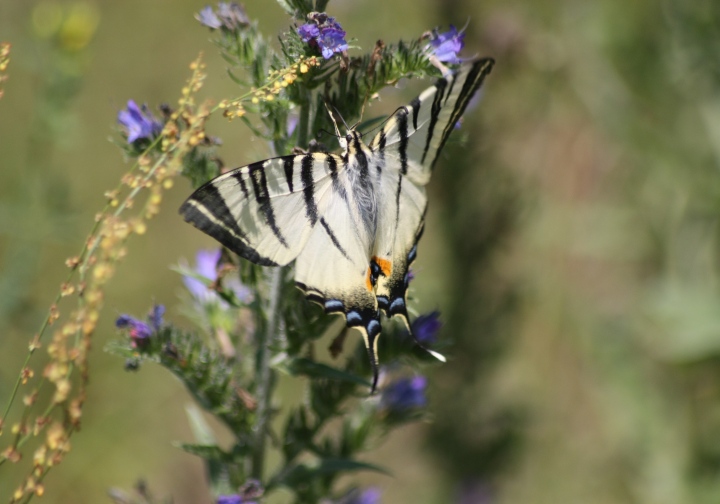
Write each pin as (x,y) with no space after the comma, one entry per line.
(277,81)
(73,327)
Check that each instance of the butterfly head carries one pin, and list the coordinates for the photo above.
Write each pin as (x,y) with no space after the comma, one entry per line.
(352,142)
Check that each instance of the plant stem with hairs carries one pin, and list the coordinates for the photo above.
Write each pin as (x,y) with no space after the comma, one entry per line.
(265,376)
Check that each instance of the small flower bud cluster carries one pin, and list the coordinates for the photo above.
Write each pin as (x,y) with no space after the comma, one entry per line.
(90,271)
(185,127)
(277,81)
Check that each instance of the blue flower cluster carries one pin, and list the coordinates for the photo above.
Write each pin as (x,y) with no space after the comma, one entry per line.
(140,331)
(233,499)
(369,496)
(405,394)
(249,493)
(446,46)
(229,16)
(139,123)
(426,327)
(206,265)
(324,33)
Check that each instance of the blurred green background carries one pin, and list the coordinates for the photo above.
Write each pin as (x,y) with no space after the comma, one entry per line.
(572,243)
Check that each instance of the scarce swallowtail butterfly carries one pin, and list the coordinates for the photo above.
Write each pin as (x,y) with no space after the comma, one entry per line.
(350,221)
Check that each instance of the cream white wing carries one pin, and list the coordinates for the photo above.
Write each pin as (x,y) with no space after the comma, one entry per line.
(404,151)
(333,267)
(400,224)
(412,139)
(266,211)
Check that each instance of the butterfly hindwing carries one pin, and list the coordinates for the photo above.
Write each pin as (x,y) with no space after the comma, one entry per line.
(333,268)
(401,222)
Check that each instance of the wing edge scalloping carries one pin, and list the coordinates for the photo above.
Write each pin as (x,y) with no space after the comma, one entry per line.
(366,320)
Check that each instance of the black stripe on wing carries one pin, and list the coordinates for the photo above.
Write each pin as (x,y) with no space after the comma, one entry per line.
(306,175)
(472,82)
(435,110)
(262,197)
(209,214)
(333,238)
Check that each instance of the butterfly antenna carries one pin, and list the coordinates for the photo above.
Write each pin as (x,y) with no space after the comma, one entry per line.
(332,118)
(330,133)
(341,118)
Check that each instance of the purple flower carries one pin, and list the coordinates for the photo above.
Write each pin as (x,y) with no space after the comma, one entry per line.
(233,15)
(250,490)
(292,123)
(332,41)
(229,16)
(405,394)
(308,32)
(324,33)
(207,17)
(138,122)
(140,331)
(474,492)
(426,327)
(156,316)
(230,499)
(206,266)
(369,496)
(206,263)
(446,46)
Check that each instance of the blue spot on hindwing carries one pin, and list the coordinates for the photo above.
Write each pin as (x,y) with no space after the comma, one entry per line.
(383,302)
(397,304)
(353,318)
(373,328)
(332,305)
(412,254)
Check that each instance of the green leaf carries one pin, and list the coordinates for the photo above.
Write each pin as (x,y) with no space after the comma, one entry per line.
(207,452)
(336,465)
(303,474)
(312,369)
(200,428)
(287,7)
(367,125)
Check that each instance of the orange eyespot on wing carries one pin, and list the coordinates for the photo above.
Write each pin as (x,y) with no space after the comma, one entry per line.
(385,265)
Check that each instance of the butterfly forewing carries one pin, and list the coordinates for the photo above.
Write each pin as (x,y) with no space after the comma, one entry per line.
(265,211)
(415,135)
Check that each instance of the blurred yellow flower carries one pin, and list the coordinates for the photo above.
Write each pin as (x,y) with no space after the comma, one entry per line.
(74,24)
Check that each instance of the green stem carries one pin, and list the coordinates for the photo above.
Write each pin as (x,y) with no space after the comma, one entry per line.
(265,379)
(304,122)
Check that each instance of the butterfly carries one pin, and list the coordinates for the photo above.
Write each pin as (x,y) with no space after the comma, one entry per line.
(350,221)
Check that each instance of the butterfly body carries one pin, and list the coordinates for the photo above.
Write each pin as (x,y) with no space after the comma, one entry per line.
(351,222)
